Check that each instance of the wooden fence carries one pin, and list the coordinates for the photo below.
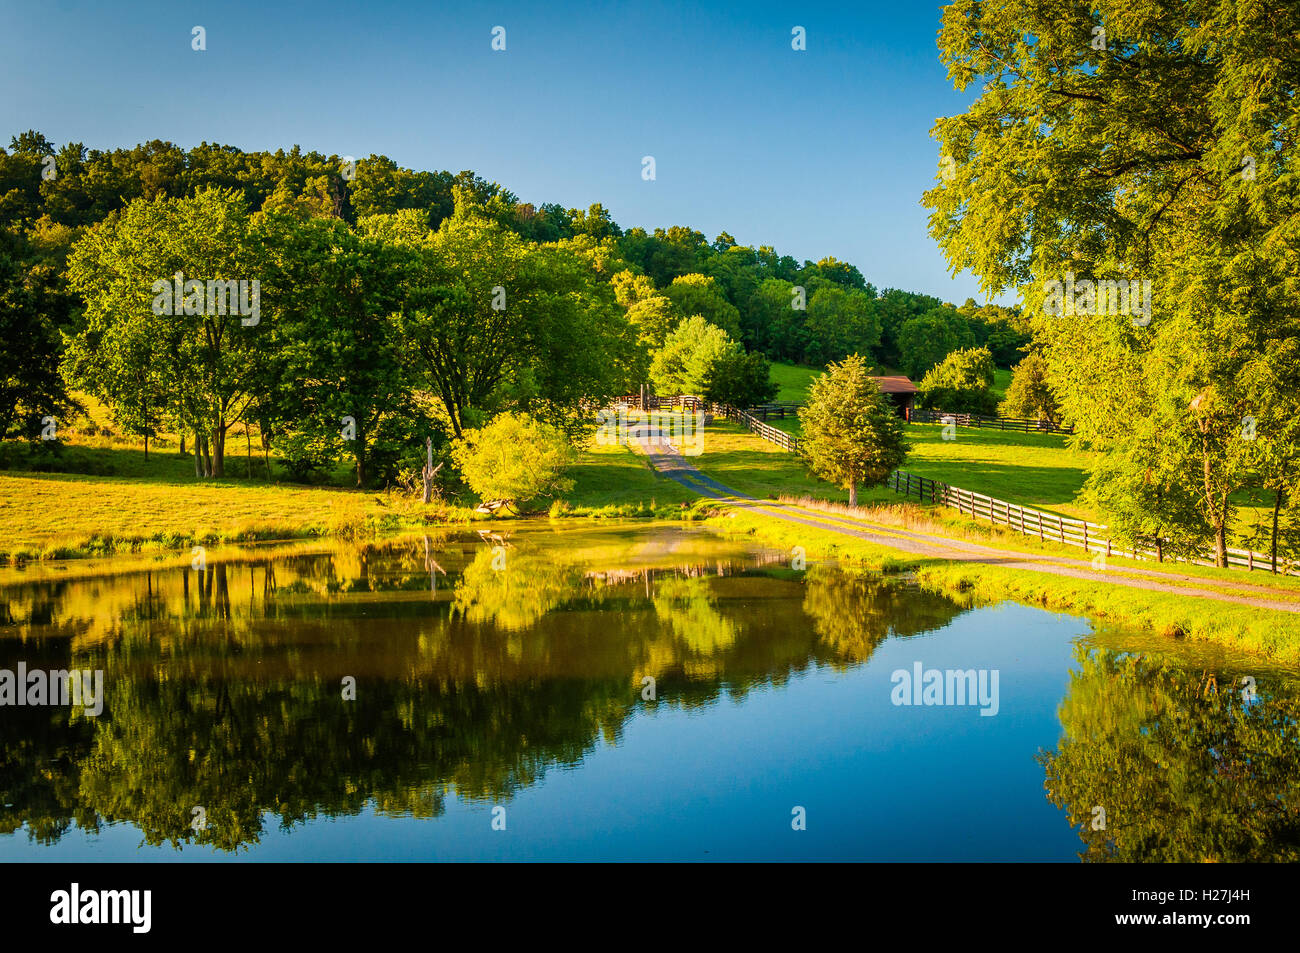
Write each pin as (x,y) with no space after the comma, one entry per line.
(655,402)
(1022,424)
(779,410)
(765,430)
(1092,537)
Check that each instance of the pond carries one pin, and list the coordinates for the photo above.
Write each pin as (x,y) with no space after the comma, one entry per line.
(627,692)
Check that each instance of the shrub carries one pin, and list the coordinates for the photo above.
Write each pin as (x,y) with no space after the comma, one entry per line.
(515,458)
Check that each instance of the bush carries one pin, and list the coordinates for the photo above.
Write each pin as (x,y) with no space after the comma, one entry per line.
(959,401)
(515,458)
(306,456)
(1030,393)
(960,384)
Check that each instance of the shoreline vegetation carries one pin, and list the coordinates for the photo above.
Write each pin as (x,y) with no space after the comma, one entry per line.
(67,517)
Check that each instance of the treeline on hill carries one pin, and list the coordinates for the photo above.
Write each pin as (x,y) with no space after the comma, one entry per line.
(406,301)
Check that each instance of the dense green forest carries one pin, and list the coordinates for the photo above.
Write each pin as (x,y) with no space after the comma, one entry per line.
(391,304)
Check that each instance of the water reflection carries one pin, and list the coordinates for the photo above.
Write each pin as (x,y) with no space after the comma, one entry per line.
(1187,765)
(482,664)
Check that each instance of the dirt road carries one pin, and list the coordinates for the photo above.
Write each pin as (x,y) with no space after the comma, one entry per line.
(667,460)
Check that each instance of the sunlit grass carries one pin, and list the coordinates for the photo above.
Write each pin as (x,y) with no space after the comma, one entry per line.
(159,507)
(793,380)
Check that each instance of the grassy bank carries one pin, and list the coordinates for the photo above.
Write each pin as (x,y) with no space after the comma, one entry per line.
(60,516)
(1270,634)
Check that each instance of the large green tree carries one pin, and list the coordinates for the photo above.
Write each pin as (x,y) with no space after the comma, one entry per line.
(1030,392)
(1152,143)
(341,380)
(925,340)
(839,322)
(701,359)
(961,383)
(196,351)
(500,323)
(698,294)
(31,387)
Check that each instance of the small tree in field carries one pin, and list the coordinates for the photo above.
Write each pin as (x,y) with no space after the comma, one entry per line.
(514,458)
(1030,394)
(850,433)
(960,383)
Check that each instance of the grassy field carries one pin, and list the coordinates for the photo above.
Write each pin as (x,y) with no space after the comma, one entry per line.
(793,380)
(1031,469)
(735,457)
(116,500)
(1028,468)
(108,498)
(158,510)
(1001,381)
(55,515)
(613,481)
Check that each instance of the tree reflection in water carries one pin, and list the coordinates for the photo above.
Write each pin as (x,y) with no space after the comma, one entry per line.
(1185,767)
(224,689)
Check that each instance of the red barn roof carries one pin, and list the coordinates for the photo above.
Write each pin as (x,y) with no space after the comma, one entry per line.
(898,384)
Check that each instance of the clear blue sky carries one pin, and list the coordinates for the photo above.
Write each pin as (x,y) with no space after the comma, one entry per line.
(823,152)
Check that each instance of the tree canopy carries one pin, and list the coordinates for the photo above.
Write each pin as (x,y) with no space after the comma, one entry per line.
(1132,174)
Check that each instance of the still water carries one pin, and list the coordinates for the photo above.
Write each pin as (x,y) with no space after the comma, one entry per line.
(643,692)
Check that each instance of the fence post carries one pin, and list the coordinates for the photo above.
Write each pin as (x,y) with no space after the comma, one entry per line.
(1085,536)
(1040,526)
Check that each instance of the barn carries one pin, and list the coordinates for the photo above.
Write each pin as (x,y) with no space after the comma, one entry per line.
(900,391)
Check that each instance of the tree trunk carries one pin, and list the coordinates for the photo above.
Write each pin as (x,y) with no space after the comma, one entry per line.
(218,466)
(248,450)
(182,444)
(360,452)
(1221,535)
(1215,509)
(146,448)
(265,433)
(853,493)
(198,456)
(428,476)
